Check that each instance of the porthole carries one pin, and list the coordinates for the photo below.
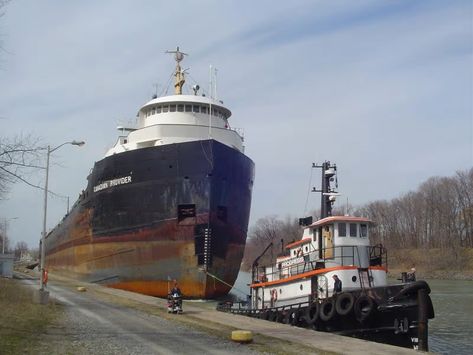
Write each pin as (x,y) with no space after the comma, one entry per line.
(306,249)
(353,278)
(301,287)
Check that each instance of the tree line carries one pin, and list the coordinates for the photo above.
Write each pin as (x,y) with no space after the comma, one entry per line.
(439,214)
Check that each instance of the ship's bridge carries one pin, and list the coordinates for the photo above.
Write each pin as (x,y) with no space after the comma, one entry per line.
(179,118)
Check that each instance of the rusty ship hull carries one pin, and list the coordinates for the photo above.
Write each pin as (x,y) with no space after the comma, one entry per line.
(158,214)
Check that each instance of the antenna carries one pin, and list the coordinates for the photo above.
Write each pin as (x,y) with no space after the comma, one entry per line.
(210,104)
(156,87)
(179,73)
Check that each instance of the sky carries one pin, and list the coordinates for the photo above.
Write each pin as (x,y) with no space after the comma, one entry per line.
(382,88)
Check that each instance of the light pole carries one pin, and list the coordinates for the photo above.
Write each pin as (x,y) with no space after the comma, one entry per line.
(43,236)
(4,235)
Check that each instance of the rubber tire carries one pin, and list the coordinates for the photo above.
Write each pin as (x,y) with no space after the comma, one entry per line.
(412,288)
(294,317)
(264,315)
(344,303)
(312,313)
(364,308)
(279,317)
(327,309)
(272,315)
(288,316)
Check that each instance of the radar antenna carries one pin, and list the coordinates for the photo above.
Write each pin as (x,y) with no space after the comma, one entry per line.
(179,73)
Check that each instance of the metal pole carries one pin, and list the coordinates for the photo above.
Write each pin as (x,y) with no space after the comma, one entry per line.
(43,236)
(4,235)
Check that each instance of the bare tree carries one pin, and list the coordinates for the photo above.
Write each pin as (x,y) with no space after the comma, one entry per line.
(266,230)
(20,249)
(19,158)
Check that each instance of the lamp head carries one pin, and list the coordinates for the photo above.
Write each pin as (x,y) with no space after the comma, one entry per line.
(78,143)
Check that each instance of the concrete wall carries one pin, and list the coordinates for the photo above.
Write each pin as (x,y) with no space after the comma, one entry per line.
(6,265)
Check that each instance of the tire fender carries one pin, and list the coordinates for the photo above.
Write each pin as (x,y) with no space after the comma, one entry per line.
(344,303)
(364,308)
(327,309)
(312,313)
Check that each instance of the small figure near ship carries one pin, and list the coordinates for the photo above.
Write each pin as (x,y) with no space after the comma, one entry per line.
(333,280)
(175,300)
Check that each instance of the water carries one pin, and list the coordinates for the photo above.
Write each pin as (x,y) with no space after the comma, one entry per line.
(450,332)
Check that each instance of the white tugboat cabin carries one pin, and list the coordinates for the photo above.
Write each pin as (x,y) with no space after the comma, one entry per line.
(336,245)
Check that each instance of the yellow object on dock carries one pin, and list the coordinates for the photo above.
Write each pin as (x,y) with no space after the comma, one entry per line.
(242,336)
(81,289)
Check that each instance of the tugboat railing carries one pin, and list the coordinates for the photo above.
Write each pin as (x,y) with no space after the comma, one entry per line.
(353,255)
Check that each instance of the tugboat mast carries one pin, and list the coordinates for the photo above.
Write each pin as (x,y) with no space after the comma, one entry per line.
(327,194)
(179,73)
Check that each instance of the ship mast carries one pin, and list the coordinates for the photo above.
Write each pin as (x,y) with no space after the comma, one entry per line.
(179,73)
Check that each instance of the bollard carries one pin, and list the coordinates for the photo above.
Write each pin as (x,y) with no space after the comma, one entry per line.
(422,329)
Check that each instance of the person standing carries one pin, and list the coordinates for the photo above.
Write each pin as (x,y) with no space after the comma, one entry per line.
(337,286)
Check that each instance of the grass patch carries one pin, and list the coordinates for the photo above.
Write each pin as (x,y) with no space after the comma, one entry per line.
(23,323)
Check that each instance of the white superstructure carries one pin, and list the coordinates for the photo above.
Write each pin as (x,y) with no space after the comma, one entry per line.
(337,245)
(177,119)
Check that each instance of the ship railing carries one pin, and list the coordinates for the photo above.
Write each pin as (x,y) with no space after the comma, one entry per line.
(239,131)
(245,308)
(353,255)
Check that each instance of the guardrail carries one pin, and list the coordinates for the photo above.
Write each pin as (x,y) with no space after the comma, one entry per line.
(361,256)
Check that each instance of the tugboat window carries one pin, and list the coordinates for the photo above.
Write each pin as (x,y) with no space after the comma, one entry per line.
(363,230)
(158,109)
(342,229)
(180,108)
(153,111)
(165,108)
(188,108)
(196,108)
(172,108)
(352,229)
(203,109)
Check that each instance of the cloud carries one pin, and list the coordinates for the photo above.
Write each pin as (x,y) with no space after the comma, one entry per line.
(381,88)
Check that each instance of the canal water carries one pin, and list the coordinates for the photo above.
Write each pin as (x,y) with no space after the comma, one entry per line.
(451,332)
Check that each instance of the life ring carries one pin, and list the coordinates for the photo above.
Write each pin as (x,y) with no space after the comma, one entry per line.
(45,277)
(312,313)
(300,252)
(274,295)
(327,309)
(344,303)
(364,307)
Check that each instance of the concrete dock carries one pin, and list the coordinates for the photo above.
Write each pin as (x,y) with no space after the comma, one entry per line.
(204,315)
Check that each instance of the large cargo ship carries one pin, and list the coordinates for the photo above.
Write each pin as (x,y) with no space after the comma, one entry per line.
(170,201)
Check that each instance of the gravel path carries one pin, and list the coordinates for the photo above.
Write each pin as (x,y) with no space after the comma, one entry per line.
(93,326)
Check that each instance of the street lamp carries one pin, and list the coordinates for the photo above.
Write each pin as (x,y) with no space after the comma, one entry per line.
(4,235)
(43,236)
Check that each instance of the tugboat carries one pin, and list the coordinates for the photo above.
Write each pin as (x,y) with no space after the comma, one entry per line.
(169,201)
(333,280)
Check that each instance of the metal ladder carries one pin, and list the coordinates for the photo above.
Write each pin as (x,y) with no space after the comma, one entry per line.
(365,277)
